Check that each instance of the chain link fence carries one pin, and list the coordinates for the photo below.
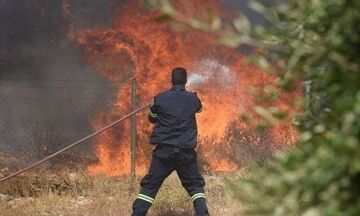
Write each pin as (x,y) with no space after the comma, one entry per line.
(37,120)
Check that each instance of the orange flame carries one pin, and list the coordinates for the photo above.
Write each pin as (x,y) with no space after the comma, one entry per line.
(135,45)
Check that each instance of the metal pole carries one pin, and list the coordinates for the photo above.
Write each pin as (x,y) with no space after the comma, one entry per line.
(133,130)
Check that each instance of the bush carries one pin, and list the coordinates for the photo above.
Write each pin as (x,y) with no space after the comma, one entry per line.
(316,41)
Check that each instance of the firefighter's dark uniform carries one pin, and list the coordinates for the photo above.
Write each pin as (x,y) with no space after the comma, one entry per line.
(175,136)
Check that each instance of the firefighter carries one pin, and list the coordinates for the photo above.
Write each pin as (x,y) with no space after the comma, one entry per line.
(175,136)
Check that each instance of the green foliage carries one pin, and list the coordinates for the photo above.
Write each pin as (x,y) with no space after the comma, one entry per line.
(316,41)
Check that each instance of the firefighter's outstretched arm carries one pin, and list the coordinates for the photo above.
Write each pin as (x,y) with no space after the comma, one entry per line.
(153,112)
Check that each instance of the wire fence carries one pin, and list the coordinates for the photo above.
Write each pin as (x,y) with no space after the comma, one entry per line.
(37,120)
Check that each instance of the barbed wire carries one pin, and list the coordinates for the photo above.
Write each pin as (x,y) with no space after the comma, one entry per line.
(69,80)
(62,80)
(51,99)
(52,87)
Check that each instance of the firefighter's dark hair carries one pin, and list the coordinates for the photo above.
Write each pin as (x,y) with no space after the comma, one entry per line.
(179,76)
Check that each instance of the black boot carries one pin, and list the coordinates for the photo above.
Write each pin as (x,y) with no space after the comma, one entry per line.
(200,207)
(140,207)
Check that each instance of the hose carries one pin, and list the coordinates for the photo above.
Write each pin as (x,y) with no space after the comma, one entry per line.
(75,143)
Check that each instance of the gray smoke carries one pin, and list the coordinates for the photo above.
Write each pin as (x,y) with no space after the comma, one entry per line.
(47,92)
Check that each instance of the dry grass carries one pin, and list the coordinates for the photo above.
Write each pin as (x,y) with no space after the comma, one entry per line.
(79,194)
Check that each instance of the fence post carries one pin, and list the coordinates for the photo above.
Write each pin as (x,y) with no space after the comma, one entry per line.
(133,130)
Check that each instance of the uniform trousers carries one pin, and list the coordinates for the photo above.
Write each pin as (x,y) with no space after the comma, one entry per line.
(166,160)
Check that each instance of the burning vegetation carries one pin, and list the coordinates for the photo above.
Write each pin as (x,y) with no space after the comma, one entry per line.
(137,45)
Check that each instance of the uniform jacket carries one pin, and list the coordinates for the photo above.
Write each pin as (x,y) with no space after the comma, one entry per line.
(173,113)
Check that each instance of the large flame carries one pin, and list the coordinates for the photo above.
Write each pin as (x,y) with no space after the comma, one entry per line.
(136,45)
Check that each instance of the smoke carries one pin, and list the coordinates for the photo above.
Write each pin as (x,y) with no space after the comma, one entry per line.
(243,7)
(47,90)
